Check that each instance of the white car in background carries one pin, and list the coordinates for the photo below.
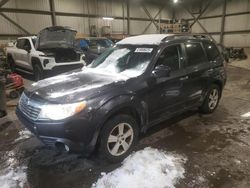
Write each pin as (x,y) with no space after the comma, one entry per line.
(50,53)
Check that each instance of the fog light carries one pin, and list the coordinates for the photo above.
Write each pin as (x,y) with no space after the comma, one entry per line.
(45,62)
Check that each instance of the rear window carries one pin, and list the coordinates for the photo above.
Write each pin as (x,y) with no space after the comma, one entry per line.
(212,51)
(195,54)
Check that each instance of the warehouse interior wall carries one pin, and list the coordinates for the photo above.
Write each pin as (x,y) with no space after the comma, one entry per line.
(118,8)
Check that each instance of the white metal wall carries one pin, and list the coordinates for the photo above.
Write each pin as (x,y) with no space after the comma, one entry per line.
(34,22)
(232,23)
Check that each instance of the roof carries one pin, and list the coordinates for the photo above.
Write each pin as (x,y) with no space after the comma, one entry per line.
(152,39)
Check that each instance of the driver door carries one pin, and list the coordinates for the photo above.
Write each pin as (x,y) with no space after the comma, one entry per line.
(167,95)
(24,54)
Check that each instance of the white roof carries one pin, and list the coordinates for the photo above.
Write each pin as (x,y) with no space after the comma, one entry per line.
(152,39)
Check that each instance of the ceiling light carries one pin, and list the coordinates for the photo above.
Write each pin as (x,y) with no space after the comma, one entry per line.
(107,18)
(175,1)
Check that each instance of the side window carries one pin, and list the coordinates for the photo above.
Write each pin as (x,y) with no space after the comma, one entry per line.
(170,57)
(27,44)
(20,43)
(212,51)
(195,54)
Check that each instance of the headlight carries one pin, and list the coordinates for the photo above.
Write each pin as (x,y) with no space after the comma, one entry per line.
(61,111)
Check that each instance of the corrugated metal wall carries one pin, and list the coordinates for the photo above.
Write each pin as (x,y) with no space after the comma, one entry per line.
(232,23)
(35,22)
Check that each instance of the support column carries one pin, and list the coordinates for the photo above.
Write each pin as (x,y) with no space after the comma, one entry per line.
(223,21)
(53,12)
(128,17)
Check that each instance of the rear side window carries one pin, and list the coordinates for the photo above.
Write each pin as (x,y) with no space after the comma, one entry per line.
(195,54)
(212,51)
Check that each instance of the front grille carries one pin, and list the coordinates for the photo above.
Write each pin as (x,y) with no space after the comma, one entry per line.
(29,107)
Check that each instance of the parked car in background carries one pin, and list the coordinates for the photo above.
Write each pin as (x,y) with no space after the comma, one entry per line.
(131,87)
(50,53)
(93,47)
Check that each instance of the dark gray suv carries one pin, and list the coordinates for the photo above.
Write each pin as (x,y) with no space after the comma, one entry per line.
(136,84)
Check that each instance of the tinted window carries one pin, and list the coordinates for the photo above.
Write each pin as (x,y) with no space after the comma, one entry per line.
(195,54)
(20,43)
(212,51)
(170,57)
(27,44)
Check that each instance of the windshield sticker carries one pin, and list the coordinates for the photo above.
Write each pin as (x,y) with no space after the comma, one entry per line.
(144,50)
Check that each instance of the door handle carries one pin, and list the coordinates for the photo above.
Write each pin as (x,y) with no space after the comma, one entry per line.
(184,78)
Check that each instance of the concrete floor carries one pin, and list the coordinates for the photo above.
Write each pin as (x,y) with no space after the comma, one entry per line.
(217,146)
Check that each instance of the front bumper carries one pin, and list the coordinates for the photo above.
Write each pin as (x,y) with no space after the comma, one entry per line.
(77,133)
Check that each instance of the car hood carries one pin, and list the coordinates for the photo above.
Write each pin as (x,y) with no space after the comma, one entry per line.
(56,38)
(74,86)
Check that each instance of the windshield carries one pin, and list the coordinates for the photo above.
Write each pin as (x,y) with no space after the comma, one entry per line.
(129,61)
(56,39)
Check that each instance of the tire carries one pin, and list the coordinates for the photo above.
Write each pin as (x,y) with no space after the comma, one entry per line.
(11,64)
(38,72)
(14,95)
(118,146)
(212,100)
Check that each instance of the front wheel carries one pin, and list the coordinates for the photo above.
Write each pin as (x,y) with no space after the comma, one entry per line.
(212,100)
(118,137)
(38,72)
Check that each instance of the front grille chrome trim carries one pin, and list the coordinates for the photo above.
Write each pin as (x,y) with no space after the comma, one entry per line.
(30,108)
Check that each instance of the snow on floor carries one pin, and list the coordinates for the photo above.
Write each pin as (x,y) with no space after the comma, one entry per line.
(148,168)
(11,174)
(23,135)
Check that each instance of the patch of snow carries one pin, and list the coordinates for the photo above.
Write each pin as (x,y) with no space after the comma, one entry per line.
(148,168)
(23,135)
(152,39)
(246,115)
(11,174)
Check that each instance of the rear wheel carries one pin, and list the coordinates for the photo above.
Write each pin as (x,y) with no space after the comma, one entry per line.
(38,72)
(118,137)
(212,100)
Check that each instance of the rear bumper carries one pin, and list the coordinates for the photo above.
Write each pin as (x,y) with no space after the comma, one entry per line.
(76,133)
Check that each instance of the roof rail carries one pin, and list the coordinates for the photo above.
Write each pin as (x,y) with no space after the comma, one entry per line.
(187,35)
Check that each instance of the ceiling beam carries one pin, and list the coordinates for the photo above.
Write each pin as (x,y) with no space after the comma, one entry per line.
(153,19)
(202,12)
(3,2)
(203,28)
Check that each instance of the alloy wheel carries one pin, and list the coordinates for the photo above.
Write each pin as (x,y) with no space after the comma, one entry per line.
(120,139)
(213,99)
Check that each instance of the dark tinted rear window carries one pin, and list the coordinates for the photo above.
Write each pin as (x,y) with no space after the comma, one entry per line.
(211,50)
(195,54)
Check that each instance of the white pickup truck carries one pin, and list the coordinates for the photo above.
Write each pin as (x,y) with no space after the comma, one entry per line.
(51,52)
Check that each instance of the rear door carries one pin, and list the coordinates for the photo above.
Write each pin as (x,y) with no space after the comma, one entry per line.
(196,67)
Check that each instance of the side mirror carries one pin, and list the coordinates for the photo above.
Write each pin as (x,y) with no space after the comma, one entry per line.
(161,71)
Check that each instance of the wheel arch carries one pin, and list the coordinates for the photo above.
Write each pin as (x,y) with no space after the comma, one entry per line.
(136,109)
